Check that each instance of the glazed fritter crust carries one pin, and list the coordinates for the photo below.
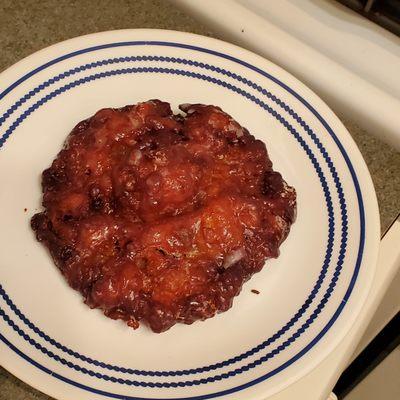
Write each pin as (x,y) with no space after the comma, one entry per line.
(159,217)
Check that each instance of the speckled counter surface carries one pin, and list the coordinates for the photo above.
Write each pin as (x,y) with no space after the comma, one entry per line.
(27,26)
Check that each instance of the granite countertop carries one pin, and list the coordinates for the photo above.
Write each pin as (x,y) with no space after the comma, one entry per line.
(30,25)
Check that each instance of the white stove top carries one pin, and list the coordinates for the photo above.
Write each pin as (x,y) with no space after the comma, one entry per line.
(351,62)
(354,65)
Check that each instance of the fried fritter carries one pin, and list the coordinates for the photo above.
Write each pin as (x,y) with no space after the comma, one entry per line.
(161,217)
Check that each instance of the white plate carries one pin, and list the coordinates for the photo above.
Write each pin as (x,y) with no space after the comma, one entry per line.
(309,297)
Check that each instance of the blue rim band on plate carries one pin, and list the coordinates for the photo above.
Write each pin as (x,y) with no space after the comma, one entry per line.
(358,192)
(234,359)
(242,369)
(249,83)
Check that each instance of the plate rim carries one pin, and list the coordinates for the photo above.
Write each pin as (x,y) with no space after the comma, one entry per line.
(243,54)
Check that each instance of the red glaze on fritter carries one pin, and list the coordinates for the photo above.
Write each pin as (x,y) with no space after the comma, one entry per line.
(159,217)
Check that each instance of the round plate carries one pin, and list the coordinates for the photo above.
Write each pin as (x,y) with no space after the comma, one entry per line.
(309,297)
